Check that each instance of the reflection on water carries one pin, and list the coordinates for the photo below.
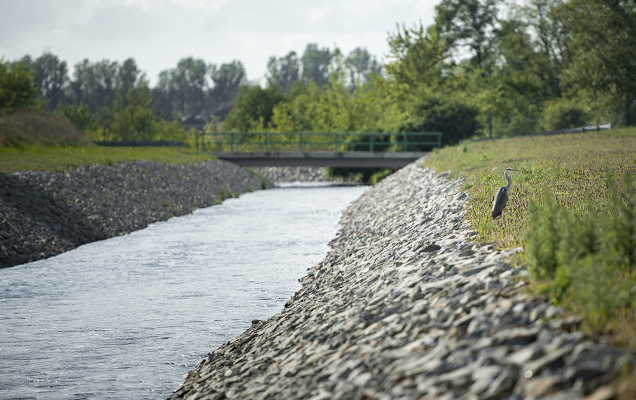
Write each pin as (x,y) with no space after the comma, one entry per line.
(125,318)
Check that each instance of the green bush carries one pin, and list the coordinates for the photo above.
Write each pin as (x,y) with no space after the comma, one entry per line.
(456,119)
(378,176)
(17,86)
(79,114)
(563,114)
(589,260)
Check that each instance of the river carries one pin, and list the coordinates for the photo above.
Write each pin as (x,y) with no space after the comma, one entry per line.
(127,317)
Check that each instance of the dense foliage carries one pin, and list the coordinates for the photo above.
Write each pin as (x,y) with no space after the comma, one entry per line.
(509,67)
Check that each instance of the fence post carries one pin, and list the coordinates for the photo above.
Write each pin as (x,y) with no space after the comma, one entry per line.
(232,142)
(196,140)
(405,142)
(302,142)
(337,143)
(371,143)
(439,140)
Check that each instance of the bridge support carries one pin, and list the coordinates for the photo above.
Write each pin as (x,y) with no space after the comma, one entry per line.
(322,159)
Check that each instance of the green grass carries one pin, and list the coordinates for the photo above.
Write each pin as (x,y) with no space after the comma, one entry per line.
(572,208)
(39,157)
(572,167)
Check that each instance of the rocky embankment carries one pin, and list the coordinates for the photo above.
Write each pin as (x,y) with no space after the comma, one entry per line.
(44,213)
(299,174)
(406,306)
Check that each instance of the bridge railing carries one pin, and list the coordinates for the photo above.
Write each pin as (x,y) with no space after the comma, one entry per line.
(316,141)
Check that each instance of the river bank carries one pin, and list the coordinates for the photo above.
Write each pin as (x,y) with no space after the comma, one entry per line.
(406,306)
(43,214)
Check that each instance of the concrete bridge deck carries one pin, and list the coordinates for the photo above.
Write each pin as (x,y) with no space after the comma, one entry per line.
(321,159)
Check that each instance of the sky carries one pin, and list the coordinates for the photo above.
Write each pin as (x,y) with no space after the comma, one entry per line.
(158,33)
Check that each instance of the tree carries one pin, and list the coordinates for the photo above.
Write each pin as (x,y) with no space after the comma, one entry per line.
(51,76)
(283,71)
(419,58)
(185,87)
(361,64)
(17,86)
(227,79)
(604,47)
(130,116)
(94,84)
(470,25)
(254,108)
(129,75)
(315,62)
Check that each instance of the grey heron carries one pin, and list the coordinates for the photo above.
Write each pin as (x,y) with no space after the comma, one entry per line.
(501,198)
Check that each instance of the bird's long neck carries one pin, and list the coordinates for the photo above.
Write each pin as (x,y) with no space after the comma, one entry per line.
(508,179)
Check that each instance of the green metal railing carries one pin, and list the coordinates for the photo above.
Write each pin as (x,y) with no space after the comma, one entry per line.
(313,141)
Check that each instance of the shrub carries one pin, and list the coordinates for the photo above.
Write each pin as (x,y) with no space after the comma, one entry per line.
(587,261)
(456,119)
(79,114)
(17,86)
(24,126)
(563,114)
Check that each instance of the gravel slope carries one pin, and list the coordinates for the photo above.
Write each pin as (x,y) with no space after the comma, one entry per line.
(44,213)
(406,307)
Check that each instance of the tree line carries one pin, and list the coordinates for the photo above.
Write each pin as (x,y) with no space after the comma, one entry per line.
(538,66)
(530,67)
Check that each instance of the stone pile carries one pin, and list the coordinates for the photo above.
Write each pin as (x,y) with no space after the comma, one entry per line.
(45,213)
(298,174)
(406,306)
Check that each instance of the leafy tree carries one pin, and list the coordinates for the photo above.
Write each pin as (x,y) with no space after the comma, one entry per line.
(17,86)
(51,76)
(470,25)
(227,79)
(315,63)
(184,87)
(129,75)
(420,57)
(254,108)
(361,64)
(94,84)
(455,118)
(603,46)
(130,116)
(283,72)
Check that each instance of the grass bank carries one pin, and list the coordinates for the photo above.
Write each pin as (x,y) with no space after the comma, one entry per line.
(573,210)
(572,167)
(48,142)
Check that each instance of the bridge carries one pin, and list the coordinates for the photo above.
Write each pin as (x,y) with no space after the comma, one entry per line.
(324,149)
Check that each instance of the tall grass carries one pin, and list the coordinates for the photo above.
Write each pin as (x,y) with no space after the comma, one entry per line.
(28,127)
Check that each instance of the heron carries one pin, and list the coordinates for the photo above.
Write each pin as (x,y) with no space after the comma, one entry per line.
(501,198)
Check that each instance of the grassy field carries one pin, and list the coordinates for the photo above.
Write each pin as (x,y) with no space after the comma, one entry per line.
(38,157)
(37,141)
(572,167)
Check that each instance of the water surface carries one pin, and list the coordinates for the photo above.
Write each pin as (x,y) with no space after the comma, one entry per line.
(127,317)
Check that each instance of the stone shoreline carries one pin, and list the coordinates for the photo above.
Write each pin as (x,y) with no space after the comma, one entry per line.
(405,306)
(43,214)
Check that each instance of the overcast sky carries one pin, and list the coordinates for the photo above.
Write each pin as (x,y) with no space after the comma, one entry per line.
(157,33)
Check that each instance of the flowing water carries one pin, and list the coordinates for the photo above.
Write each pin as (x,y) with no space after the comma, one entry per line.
(127,317)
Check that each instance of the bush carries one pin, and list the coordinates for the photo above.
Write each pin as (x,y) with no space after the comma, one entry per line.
(456,119)
(24,126)
(563,114)
(587,261)
(17,86)
(79,114)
